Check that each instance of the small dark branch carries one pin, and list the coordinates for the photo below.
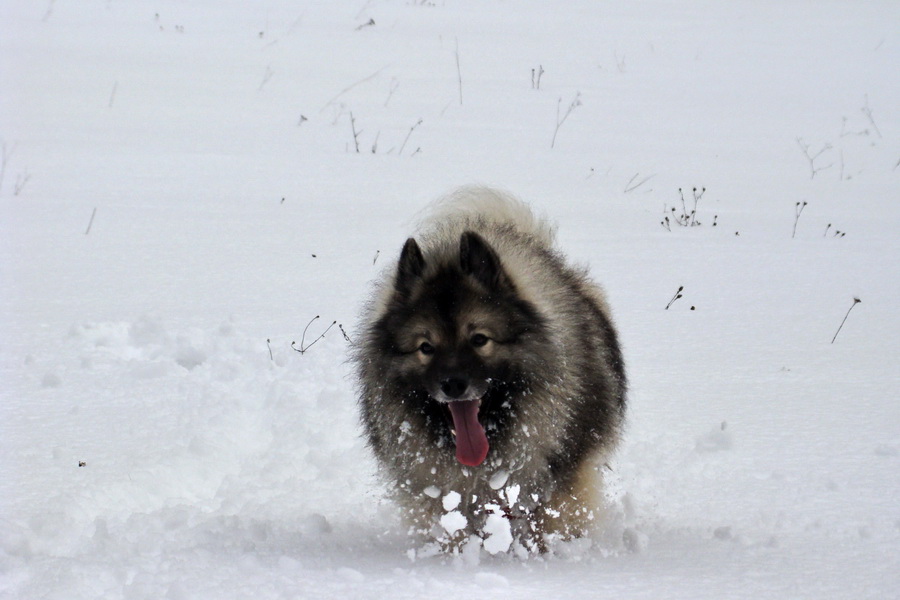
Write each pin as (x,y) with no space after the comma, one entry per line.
(269,346)
(665,223)
(91,222)
(798,210)
(855,302)
(374,260)
(631,185)
(689,218)
(812,156)
(369,23)
(536,77)
(826,230)
(355,133)
(351,86)
(303,348)
(409,133)
(697,197)
(675,297)
(344,333)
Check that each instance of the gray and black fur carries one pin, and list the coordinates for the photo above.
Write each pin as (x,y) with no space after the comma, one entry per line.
(482,310)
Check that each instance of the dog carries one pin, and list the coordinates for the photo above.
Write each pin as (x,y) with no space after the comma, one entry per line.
(492,387)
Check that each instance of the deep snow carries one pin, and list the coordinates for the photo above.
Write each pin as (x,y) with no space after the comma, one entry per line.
(160,438)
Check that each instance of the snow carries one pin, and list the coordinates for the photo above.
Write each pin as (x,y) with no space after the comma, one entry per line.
(499,532)
(453,521)
(181,195)
(451,501)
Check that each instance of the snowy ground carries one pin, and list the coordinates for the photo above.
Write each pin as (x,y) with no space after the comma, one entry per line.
(181,193)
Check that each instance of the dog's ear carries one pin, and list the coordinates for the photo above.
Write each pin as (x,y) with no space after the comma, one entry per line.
(478,259)
(410,267)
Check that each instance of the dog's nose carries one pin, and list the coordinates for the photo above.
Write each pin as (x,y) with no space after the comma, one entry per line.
(454,387)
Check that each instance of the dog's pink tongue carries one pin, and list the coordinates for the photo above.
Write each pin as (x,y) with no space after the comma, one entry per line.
(471,441)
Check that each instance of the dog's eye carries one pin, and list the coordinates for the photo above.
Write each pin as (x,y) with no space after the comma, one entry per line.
(478,340)
(426,348)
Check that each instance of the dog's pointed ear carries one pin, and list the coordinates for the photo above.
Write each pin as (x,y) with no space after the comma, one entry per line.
(410,267)
(478,259)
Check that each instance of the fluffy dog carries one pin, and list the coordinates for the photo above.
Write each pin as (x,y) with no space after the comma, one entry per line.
(492,386)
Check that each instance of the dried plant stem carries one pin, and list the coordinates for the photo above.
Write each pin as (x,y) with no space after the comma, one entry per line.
(798,210)
(91,222)
(675,297)
(576,102)
(409,133)
(855,302)
(302,349)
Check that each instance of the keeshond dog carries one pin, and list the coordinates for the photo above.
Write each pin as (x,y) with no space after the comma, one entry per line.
(492,386)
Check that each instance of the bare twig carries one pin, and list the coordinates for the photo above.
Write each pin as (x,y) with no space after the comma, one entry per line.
(355,133)
(630,188)
(302,349)
(536,77)
(855,302)
(91,222)
(675,297)
(811,157)
(798,210)
(576,102)
(686,218)
(409,133)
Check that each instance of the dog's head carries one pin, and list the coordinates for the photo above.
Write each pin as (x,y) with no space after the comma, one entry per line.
(459,330)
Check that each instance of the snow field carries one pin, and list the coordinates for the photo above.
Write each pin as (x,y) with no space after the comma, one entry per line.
(160,438)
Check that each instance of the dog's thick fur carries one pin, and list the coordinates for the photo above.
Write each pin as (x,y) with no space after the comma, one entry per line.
(482,312)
